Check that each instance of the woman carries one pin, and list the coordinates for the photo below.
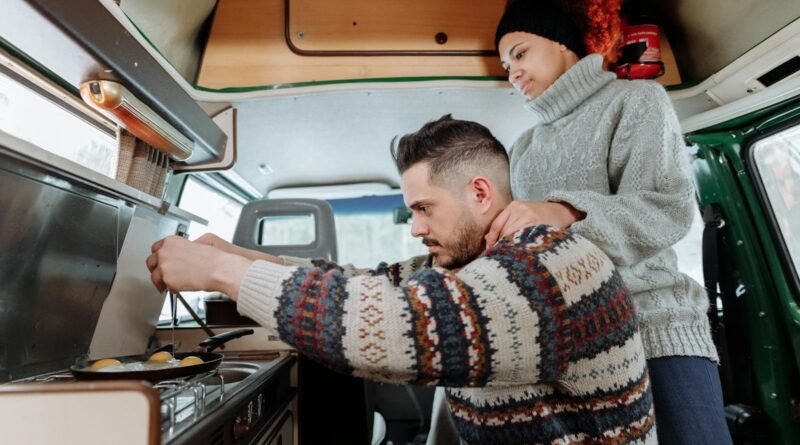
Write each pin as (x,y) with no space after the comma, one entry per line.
(606,158)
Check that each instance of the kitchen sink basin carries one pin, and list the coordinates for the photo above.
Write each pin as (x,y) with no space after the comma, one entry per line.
(233,372)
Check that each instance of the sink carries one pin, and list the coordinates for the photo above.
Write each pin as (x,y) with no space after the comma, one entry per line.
(236,371)
(233,372)
(233,375)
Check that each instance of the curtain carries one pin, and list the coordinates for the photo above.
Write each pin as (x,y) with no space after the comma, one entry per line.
(142,166)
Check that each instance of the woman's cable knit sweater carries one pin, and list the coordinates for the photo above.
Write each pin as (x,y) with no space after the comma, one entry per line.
(536,340)
(613,149)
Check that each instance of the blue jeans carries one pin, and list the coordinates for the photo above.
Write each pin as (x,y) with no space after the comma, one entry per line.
(688,401)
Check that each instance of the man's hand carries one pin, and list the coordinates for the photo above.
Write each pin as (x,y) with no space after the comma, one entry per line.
(213,240)
(521,214)
(180,265)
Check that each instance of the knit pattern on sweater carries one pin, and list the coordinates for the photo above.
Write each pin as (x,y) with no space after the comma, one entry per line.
(536,340)
(614,150)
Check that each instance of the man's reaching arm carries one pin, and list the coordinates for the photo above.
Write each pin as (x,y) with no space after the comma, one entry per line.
(516,316)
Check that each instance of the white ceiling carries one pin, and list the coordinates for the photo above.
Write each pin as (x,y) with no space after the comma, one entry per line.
(344,137)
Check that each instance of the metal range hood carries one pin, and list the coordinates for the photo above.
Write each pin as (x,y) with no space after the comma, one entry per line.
(81,43)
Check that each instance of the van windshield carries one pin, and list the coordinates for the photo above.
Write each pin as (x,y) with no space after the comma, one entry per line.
(367,235)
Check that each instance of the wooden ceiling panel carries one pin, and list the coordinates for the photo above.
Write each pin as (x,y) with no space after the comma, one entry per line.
(247,48)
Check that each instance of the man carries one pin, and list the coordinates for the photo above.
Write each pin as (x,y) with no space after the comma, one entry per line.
(535,339)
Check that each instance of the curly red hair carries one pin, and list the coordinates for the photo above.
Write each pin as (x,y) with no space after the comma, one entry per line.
(601,24)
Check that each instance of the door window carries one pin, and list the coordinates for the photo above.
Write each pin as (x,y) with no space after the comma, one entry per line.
(777,159)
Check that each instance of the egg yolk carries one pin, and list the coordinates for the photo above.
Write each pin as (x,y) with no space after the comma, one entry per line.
(162,356)
(103,362)
(191,360)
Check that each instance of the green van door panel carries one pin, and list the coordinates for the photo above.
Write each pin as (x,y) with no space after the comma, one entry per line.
(725,177)
(719,182)
(760,117)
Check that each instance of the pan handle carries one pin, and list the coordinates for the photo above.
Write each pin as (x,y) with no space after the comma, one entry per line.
(216,341)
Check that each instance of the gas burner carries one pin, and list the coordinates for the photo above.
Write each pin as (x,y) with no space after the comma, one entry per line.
(238,400)
(51,378)
(183,401)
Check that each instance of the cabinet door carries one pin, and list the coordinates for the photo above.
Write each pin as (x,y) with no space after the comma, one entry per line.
(388,25)
(284,431)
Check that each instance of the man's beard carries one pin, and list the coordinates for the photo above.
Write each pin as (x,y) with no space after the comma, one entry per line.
(468,244)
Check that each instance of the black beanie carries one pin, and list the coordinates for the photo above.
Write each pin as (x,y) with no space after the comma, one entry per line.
(543,18)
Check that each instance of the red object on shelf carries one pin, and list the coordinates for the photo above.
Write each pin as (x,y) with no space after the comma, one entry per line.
(641,53)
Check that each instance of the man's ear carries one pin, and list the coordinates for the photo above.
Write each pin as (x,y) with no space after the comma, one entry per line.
(482,191)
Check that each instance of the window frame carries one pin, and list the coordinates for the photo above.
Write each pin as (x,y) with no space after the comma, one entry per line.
(754,171)
(32,97)
(68,99)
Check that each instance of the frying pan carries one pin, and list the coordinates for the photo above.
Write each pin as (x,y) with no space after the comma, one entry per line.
(211,361)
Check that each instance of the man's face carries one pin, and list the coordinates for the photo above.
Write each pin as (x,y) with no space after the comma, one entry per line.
(442,218)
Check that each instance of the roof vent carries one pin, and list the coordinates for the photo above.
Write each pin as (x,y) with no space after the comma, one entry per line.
(781,72)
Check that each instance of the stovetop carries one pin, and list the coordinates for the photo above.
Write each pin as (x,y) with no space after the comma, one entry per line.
(190,401)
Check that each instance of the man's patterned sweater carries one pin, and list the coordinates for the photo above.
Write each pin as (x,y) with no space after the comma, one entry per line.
(536,340)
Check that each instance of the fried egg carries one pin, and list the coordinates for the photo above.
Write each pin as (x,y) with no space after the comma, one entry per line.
(162,356)
(190,360)
(103,362)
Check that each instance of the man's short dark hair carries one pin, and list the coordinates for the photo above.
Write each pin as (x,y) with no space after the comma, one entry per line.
(453,148)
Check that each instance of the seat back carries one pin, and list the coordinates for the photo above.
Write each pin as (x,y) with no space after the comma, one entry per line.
(317,384)
(251,225)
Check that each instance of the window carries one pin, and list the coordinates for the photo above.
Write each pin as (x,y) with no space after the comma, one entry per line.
(363,213)
(288,230)
(777,159)
(32,117)
(689,250)
(222,214)
(366,233)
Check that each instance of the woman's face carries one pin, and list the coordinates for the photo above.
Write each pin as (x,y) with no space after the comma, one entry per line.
(532,62)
